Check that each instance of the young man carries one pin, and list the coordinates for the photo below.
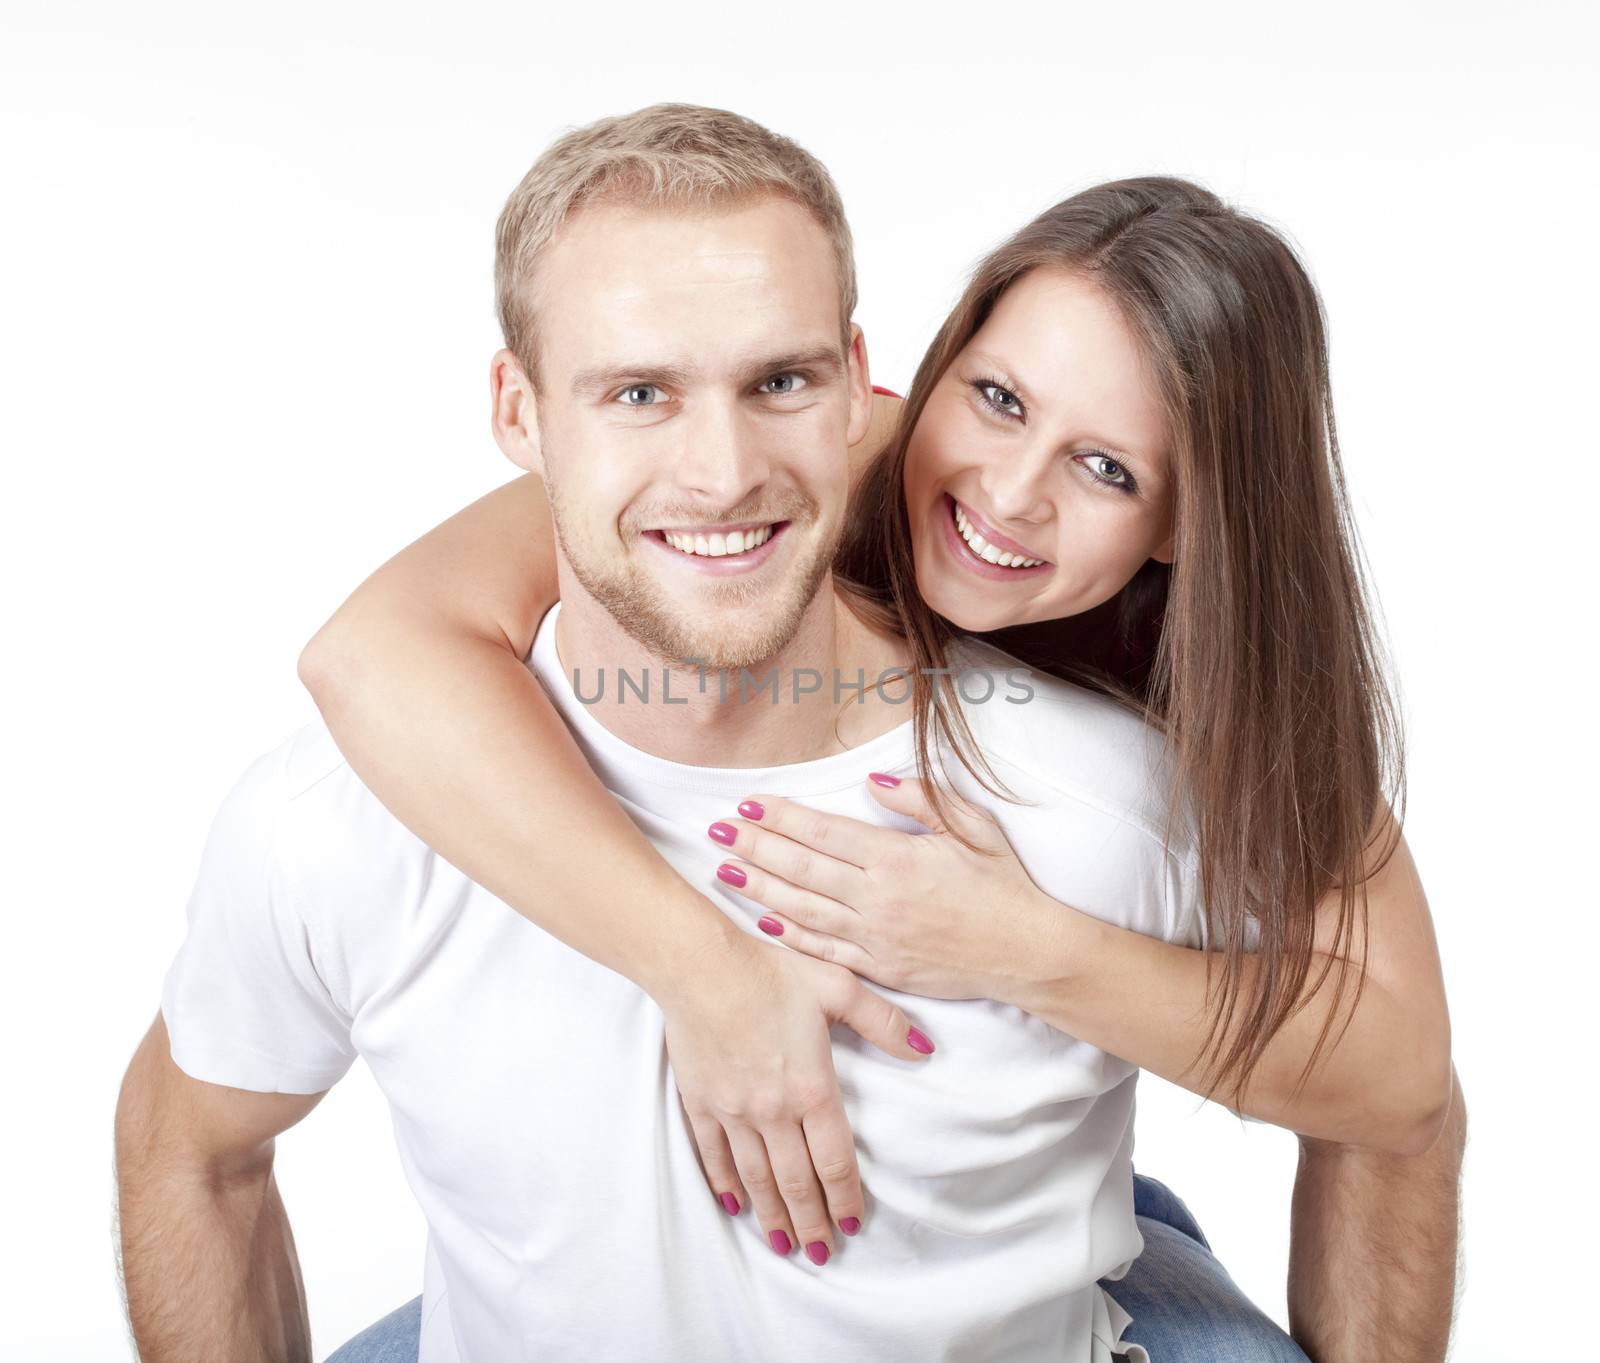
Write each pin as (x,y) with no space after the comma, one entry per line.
(538,1124)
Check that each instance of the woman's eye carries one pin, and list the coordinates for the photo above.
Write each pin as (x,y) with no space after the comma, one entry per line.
(1001,399)
(640,395)
(1107,470)
(781,384)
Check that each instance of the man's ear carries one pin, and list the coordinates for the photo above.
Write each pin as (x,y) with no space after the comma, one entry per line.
(860,380)
(514,412)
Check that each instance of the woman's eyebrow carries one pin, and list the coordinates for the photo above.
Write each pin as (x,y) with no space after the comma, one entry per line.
(1006,376)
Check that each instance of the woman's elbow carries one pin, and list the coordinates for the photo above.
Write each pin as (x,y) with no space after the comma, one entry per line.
(1423,1108)
(327,663)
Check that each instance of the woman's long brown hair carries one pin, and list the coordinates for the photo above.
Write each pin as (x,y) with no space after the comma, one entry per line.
(1256,652)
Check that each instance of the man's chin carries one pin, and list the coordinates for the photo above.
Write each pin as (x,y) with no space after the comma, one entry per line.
(751,645)
(738,625)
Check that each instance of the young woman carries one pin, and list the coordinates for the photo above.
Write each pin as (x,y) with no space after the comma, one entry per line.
(1117,461)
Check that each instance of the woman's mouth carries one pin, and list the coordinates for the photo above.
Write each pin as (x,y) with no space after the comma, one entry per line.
(997,560)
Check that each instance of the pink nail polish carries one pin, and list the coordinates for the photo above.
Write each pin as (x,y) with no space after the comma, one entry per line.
(732,874)
(780,1242)
(918,1042)
(850,1225)
(752,809)
(724,833)
(883,779)
(771,926)
(817,1252)
(730,1204)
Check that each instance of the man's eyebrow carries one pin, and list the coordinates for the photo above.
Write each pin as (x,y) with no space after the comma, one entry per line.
(605,376)
(823,358)
(599,379)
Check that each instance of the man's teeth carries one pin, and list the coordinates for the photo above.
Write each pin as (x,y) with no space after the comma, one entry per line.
(986,551)
(715,546)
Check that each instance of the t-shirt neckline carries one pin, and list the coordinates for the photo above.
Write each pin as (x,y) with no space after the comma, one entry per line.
(890,751)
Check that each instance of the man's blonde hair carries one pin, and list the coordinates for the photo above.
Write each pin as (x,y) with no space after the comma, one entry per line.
(669,155)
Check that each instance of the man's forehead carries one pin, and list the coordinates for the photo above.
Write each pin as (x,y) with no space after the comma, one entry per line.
(622,284)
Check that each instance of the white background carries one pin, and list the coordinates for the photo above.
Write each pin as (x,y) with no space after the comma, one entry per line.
(246,328)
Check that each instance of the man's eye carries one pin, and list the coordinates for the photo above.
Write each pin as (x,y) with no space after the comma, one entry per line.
(640,395)
(784,383)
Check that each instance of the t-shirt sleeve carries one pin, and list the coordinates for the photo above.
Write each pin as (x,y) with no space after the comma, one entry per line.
(243,1002)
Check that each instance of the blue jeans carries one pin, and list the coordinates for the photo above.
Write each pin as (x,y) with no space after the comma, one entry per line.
(1185,1307)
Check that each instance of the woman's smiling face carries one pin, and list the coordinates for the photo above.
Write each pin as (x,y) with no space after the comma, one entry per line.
(1044,445)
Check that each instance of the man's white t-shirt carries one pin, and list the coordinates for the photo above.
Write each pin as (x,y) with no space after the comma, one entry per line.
(536,1113)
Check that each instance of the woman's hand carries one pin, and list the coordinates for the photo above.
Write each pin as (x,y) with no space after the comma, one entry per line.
(914,912)
(751,1053)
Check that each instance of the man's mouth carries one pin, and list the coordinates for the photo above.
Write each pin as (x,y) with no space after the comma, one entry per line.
(722,541)
(720,549)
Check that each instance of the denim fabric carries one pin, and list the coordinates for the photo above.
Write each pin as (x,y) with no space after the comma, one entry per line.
(394,1339)
(1185,1307)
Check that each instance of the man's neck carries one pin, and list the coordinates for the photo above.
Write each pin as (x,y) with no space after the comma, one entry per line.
(729,719)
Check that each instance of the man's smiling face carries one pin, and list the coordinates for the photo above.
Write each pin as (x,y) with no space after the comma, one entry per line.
(696,396)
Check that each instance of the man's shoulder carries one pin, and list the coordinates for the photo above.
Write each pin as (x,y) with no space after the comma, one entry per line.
(1070,743)
(304,769)
(328,831)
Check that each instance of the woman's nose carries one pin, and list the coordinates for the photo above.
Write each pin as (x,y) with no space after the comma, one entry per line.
(1017,493)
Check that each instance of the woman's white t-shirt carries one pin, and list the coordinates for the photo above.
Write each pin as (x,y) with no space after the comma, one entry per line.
(534,1106)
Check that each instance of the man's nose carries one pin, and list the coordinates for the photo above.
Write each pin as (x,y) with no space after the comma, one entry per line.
(723,457)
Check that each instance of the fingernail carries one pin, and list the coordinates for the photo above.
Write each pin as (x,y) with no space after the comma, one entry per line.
(732,874)
(817,1252)
(780,1242)
(850,1225)
(918,1042)
(883,778)
(724,833)
(730,1204)
(751,809)
(771,926)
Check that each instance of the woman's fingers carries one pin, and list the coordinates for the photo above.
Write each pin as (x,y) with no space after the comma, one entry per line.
(826,928)
(838,835)
(753,1060)
(756,1172)
(796,1178)
(833,1155)
(819,870)
(716,1157)
(875,1019)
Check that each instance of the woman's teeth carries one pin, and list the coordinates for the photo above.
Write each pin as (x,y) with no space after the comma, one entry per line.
(715,546)
(986,551)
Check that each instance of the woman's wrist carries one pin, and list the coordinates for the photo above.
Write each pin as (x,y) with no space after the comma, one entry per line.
(699,943)
(1045,956)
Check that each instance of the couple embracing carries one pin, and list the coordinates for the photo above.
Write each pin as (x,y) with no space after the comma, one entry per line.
(792,1021)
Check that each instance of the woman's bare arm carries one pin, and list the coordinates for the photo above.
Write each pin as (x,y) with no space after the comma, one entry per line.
(420,677)
(1386,1084)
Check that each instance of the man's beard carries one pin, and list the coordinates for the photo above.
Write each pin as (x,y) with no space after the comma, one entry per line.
(736,624)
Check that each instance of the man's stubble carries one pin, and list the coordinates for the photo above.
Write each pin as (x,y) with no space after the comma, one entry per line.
(739,624)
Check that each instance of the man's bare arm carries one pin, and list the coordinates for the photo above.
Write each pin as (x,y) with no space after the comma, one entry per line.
(208,1260)
(1372,1258)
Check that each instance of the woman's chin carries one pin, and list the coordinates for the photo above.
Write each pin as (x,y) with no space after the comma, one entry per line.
(966,610)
